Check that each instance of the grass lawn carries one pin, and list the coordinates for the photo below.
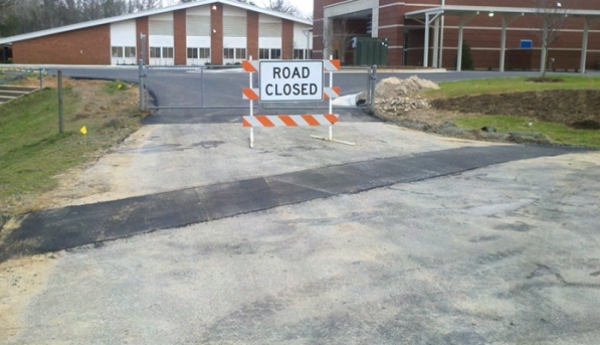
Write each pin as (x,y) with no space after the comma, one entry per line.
(474,87)
(32,151)
(556,132)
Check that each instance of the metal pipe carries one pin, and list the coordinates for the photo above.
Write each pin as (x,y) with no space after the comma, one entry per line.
(460,44)
(426,42)
(436,42)
(373,84)
(141,82)
(60,103)
(586,28)
(503,44)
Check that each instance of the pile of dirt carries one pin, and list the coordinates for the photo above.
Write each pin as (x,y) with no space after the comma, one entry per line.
(576,108)
(392,88)
(394,95)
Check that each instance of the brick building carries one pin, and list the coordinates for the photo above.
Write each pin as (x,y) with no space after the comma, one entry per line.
(210,31)
(502,34)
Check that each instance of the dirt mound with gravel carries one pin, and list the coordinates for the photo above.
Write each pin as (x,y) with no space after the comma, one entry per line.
(401,95)
(576,108)
(391,88)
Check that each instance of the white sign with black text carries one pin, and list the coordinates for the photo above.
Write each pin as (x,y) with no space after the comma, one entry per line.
(291,81)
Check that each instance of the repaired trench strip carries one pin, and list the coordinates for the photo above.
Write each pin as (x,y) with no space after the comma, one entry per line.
(58,229)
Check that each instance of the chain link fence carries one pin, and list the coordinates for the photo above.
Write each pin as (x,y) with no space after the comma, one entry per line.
(220,87)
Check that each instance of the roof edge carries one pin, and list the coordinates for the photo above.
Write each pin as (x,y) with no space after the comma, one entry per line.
(130,16)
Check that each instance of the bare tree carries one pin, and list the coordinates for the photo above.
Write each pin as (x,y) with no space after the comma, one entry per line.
(6,3)
(283,6)
(337,37)
(550,18)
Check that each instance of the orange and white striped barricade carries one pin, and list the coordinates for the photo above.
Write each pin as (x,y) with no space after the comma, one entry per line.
(306,120)
(291,81)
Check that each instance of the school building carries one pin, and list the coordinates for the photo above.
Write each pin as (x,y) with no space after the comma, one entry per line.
(195,33)
(502,35)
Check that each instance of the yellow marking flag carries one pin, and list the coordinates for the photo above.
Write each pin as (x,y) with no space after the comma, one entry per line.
(83,130)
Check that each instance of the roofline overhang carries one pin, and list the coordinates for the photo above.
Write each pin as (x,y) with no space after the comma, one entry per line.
(465,10)
(130,16)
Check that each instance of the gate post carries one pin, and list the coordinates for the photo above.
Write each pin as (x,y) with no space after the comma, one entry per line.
(373,78)
(142,85)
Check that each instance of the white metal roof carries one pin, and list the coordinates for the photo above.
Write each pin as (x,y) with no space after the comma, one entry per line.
(130,16)
(458,10)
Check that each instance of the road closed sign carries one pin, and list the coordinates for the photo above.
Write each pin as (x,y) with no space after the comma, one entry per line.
(291,81)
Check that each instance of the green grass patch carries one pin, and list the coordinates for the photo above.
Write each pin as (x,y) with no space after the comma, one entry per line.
(556,132)
(115,86)
(32,151)
(473,87)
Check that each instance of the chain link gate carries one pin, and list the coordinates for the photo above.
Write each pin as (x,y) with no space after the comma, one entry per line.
(218,87)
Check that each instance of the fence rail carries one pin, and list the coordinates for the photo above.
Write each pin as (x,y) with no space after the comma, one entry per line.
(219,87)
(8,74)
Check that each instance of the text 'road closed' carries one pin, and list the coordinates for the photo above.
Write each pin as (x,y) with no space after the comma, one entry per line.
(291,81)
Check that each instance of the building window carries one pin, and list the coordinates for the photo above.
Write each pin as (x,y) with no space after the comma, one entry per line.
(192,53)
(167,52)
(309,54)
(117,52)
(155,52)
(228,53)
(240,53)
(195,53)
(263,54)
(204,53)
(275,54)
(130,52)
(299,54)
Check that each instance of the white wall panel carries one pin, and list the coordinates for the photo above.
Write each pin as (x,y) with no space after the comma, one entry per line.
(161,24)
(162,16)
(161,41)
(234,42)
(235,26)
(198,11)
(197,25)
(230,11)
(263,18)
(198,41)
(269,42)
(123,34)
(300,39)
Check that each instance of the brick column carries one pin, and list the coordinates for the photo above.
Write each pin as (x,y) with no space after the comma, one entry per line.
(141,27)
(180,37)
(216,32)
(252,35)
(287,39)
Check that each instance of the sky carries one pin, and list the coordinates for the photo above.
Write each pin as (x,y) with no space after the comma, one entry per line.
(305,6)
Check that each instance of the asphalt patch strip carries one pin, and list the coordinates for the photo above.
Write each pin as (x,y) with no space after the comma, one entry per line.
(73,226)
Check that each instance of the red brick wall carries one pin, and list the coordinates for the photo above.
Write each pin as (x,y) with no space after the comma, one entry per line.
(180,37)
(252,34)
(90,46)
(216,41)
(141,27)
(391,23)
(287,39)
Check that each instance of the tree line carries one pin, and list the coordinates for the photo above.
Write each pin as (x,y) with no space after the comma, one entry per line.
(23,16)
